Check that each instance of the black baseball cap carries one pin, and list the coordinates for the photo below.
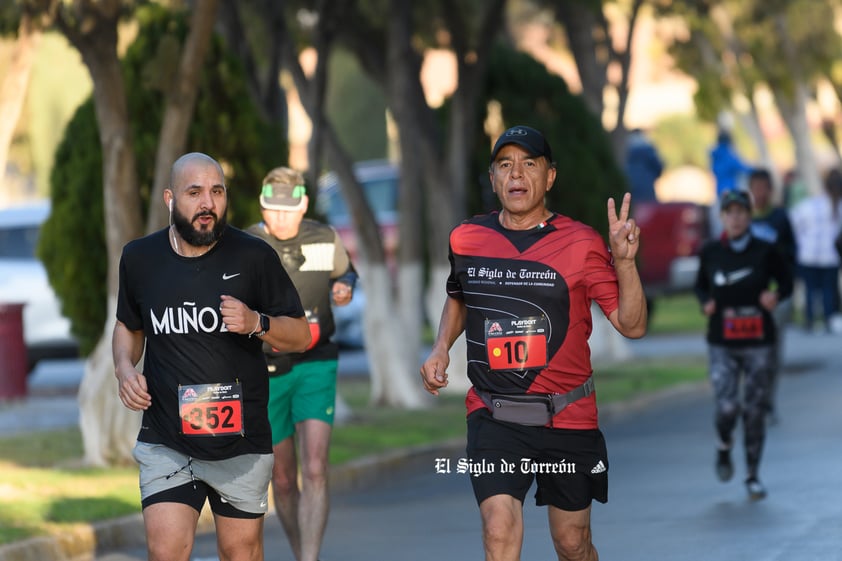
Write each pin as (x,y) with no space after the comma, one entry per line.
(527,138)
(735,197)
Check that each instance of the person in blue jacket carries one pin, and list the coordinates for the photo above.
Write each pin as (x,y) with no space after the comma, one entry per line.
(727,166)
(643,166)
(728,171)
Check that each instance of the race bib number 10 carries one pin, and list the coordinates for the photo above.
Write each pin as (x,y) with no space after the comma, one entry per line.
(211,409)
(516,344)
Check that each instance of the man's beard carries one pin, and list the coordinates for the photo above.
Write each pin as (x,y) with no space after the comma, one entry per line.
(196,237)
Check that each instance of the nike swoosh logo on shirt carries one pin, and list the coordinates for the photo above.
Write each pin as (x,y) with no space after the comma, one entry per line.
(226,277)
(722,279)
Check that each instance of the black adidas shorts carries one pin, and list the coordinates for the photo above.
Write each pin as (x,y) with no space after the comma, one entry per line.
(571,466)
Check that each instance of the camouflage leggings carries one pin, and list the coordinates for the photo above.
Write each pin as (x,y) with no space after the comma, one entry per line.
(754,365)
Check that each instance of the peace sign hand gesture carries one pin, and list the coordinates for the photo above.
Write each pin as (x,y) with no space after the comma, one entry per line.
(623,233)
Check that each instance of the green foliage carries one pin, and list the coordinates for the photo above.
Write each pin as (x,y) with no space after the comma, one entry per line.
(225,125)
(677,313)
(72,241)
(59,84)
(10,13)
(529,95)
(683,140)
(734,45)
(357,108)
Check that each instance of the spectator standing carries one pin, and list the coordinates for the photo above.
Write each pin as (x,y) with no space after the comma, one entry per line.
(771,223)
(740,281)
(816,221)
(302,386)
(643,166)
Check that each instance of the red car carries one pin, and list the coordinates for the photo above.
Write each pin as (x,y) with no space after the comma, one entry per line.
(672,234)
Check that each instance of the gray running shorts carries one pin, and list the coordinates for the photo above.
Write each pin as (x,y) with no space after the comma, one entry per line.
(242,481)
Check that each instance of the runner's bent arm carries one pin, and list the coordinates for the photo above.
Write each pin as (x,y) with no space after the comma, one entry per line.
(127,349)
(288,334)
(285,333)
(631,315)
(451,325)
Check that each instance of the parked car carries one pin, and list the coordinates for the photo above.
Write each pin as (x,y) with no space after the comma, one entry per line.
(23,280)
(672,235)
(379,180)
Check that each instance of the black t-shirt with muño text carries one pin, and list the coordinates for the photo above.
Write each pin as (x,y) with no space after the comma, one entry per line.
(176,301)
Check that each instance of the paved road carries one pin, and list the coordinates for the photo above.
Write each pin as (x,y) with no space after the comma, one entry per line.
(665,503)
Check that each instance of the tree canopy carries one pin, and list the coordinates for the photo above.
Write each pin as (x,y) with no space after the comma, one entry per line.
(226,126)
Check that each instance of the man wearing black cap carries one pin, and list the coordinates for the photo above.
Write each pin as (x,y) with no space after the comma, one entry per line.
(521,286)
(302,386)
(735,289)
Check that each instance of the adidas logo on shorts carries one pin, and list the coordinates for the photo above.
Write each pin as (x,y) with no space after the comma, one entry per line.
(598,468)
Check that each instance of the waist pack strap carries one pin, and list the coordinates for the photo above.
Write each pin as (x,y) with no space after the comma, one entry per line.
(562,400)
(557,401)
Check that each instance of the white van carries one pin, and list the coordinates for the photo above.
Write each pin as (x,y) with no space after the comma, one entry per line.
(23,280)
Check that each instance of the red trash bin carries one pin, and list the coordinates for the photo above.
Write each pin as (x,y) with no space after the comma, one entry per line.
(13,360)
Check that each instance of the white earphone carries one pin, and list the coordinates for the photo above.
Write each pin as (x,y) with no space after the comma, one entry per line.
(170,205)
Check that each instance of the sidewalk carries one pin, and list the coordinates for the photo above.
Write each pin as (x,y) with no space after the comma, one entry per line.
(51,403)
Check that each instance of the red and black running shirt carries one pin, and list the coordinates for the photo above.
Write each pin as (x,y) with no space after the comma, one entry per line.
(510,280)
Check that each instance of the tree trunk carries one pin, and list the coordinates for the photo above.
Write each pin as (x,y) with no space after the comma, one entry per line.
(103,419)
(457,370)
(581,22)
(793,108)
(393,382)
(607,345)
(794,114)
(592,45)
(472,65)
(403,67)
(109,429)
(13,91)
(180,105)
(751,123)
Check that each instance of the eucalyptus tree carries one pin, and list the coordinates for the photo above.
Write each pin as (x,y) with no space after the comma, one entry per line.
(735,47)
(602,60)
(389,39)
(16,80)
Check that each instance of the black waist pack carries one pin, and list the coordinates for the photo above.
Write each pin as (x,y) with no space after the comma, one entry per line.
(535,410)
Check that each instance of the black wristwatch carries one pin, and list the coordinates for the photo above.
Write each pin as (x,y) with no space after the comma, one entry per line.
(264,325)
